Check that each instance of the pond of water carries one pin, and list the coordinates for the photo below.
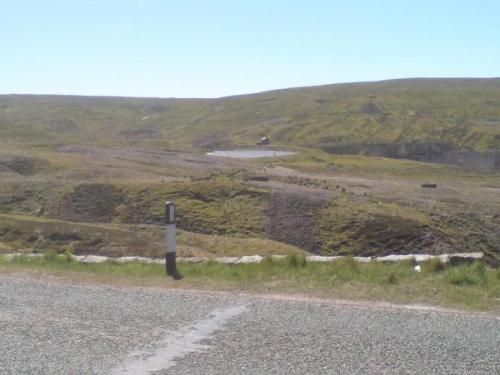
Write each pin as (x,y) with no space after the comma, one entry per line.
(250,153)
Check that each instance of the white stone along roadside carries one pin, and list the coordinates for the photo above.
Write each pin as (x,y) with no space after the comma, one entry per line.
(418,258)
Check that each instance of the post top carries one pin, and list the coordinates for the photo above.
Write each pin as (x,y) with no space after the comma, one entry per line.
(170,212)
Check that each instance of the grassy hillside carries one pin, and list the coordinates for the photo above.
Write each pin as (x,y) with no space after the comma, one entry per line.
(90,174)
(463,113)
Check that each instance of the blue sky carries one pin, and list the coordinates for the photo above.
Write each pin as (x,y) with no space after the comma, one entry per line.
(215,48)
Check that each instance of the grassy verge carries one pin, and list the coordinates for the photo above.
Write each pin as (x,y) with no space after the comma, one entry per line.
(468,286)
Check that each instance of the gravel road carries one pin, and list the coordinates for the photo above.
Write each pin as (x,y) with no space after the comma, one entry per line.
(63,328)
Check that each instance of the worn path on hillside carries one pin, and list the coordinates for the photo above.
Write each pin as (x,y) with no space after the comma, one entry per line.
(63,328)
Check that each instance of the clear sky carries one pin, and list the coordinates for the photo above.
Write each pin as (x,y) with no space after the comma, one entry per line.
(212,48)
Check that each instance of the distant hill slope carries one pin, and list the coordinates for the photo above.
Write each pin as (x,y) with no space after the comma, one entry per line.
(449,113)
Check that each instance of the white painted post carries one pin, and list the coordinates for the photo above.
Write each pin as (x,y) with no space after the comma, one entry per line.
(170,240)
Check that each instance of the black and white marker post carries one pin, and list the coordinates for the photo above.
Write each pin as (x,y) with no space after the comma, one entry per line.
(170,240)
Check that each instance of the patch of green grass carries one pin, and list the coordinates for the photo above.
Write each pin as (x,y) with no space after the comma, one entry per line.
(53,262)
(219,205)
(295,261)
(310,160)
(468,286)
(433,266)
(467,275)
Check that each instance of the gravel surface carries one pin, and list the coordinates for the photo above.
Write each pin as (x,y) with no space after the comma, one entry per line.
(63,328)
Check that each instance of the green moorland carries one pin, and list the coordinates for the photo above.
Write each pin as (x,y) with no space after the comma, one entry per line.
(469,286)
(463,113)
(111,202)
(90,175)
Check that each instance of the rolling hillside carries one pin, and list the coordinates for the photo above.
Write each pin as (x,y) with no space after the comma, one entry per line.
(76,173)
(447,114)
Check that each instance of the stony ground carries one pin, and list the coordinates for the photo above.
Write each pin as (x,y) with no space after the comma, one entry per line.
(50,327)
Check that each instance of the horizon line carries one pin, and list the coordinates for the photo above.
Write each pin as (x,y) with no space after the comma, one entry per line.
(111,96)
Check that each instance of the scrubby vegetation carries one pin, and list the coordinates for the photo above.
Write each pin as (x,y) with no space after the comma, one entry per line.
(313,201)
(91,175)
(28,234)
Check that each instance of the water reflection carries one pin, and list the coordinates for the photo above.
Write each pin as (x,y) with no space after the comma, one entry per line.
(250,153)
